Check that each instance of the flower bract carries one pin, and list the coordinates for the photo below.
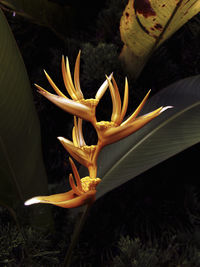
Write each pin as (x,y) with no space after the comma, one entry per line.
(83,192)
(78,105)
(114,130)
(83,153)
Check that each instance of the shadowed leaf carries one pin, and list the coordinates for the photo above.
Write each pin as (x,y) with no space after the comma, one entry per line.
(22,173)
(58,18)
(173,131)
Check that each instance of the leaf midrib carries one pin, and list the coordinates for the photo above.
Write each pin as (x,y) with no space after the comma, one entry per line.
(167,25)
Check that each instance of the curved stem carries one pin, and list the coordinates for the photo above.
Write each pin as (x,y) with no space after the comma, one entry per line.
(75,235)
(93,168)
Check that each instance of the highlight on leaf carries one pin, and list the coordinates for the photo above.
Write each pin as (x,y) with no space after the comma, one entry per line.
(146,24)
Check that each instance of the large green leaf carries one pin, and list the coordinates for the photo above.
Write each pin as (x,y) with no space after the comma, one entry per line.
(146,24)
(173,131)
(22,173)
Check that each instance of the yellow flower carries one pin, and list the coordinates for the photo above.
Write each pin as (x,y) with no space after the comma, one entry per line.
(83,108)
(83,192)
(114,130)
(79,150)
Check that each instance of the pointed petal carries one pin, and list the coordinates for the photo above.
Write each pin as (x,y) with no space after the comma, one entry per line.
(76,174)
(31,201)
(69,77)
(70,147)
(75,136)
(53,85)
(69,105)
(151,114)
(115,100)
(125,102)
(68,80)
(115,134)
(73,186)
(77,133)
(80,133)
(103,88)
(77,77)
(56,197)
(68,72)
(86,198)
(77,153)
(40,88)
(165,108)
(59,200)
(137,111)
(118,101)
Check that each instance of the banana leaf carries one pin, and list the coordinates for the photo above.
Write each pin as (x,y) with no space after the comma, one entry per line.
(146,24)
(170,133)
(22,172)
(58,18)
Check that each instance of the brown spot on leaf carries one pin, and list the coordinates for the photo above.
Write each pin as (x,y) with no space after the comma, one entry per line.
(158,26)
(144,7)
(163,5)
(127,14)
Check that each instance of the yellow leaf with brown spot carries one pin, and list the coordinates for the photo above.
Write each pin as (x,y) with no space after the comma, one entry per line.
(146,24)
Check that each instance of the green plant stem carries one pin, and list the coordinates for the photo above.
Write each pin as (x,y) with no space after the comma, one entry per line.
(75,235)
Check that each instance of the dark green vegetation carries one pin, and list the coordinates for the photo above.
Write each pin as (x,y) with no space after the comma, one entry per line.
(160,207)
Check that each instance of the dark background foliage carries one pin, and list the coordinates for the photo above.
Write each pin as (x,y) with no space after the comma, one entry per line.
(161,206)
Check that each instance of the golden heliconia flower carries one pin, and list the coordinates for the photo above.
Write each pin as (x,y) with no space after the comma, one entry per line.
(83,192)
(114,130)
(83,108)
(78,149)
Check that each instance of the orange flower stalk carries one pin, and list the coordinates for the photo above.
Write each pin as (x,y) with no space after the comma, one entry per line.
(83,108)
(83,192)
(115,130)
